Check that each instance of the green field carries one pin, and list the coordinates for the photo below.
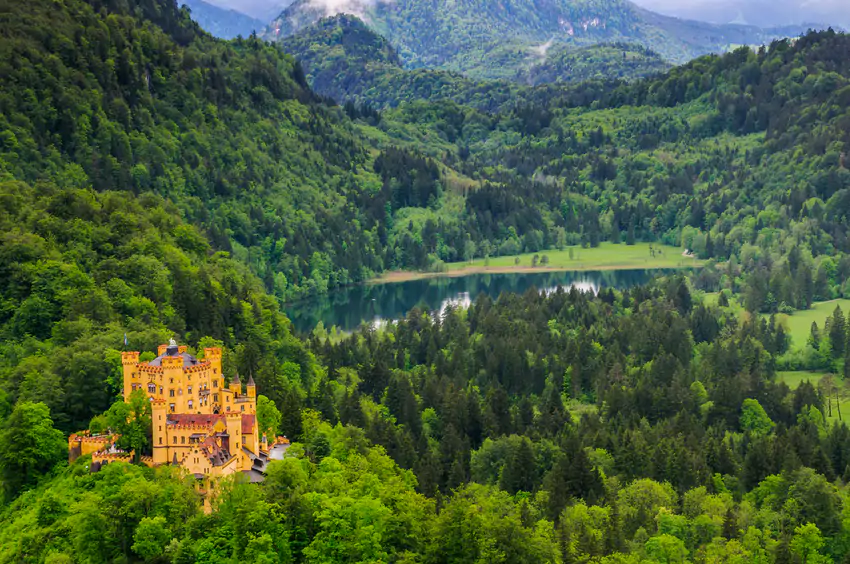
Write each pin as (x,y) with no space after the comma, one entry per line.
(794,379)
(799,324)
(607,256)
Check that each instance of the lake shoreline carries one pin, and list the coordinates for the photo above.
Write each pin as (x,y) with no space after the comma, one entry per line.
(606,257)
(398,276)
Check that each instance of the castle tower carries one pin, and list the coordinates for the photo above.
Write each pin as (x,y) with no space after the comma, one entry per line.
(234,430)
(236,385)
(213,356)
(252,387)
(159,415)
(130,361)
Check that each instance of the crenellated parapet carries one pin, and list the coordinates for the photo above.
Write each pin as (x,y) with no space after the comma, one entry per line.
(129,358)
(84,443)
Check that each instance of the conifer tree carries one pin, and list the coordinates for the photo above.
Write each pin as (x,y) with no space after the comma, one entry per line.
(838,333)
(814,336)
(518,472)
(847,356)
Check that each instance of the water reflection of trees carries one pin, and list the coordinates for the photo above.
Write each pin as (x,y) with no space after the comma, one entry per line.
(350,307)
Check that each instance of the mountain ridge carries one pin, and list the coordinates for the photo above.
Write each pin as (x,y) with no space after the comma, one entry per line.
(346,60)
(485,40)
(222,22)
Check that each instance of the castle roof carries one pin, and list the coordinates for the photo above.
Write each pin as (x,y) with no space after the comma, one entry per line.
(251,380)
(188,360)
(248,422)
(236,379)
(194,419)
(216,454)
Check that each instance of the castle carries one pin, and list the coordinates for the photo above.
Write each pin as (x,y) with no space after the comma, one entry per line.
(199,422)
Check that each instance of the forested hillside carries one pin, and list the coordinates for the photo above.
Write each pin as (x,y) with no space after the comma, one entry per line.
(639,427)
(494,40)
(157,182)
(741,156)
(345,60)
(596,62)
(229,132)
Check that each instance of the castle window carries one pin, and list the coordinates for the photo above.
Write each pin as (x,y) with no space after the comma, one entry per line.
(171,380)
(160,390)
(151,388)
(160,440)
(215,370)
(190,404)
(244,439)
(175,440)
(171,393)
(215,383)
(243,408)
(189,390)
(228,408)
(182,440)
(172,407)
(215,397)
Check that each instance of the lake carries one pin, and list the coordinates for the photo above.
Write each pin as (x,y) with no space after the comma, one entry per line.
(350,307)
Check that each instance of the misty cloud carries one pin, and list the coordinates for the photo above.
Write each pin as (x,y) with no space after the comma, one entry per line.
(355,7)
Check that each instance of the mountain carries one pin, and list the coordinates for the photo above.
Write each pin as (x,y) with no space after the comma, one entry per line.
(221,22)
(347,61)
(765,13)
(486,39)
(263,10)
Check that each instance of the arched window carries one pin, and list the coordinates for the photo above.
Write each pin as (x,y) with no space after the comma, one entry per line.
(151,388)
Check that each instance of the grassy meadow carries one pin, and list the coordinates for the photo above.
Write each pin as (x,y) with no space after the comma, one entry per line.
(799,324)
(794,378)
(607,256)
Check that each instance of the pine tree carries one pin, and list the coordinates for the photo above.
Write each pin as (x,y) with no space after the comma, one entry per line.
(814,336)
(519,470)
(847,356)
(838,333)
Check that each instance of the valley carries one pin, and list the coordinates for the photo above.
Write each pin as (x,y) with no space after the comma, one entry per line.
(448,282)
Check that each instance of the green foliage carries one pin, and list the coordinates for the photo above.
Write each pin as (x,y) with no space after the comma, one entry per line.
(132,421)
(29,447)
(754,418)
(597,62)
(151,537)
(268,418)
(108,264)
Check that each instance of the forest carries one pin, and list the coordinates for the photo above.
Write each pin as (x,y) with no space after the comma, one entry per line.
(486,40)
(156,182)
